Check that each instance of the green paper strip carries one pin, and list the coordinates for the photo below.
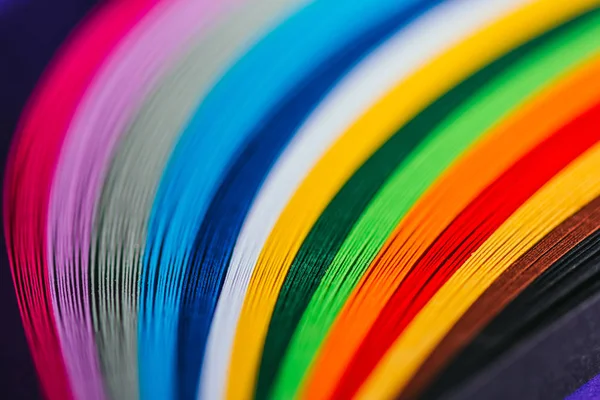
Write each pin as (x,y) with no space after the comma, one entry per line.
(416,173)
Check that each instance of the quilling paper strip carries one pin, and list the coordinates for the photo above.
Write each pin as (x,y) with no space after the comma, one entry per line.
(406,185)
(205,148)
(220,227)
(136,169)
(434,211)
(574,238)
(229,206)
(391,322)
(24,57)
(305,192)
(28,179)
(101,118)
(328,233)
(272,198)
(330,173)
(561,363)
(537,217)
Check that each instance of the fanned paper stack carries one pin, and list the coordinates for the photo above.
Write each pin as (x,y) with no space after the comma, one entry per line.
(311,199)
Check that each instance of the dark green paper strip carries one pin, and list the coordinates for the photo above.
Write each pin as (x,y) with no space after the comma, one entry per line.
(331,229)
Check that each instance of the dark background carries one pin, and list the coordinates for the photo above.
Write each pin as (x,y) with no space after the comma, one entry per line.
(30,33)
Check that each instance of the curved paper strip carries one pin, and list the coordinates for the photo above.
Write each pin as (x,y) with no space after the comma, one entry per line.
(25,56)
(548,208)
(407,52)
(340,162)
(407,259)
(205,149)
(134,174)
(328,234)
(101,118)
(220,227)
(28,182)
(574,238)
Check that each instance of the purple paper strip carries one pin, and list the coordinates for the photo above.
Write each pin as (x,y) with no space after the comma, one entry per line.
(590,390)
